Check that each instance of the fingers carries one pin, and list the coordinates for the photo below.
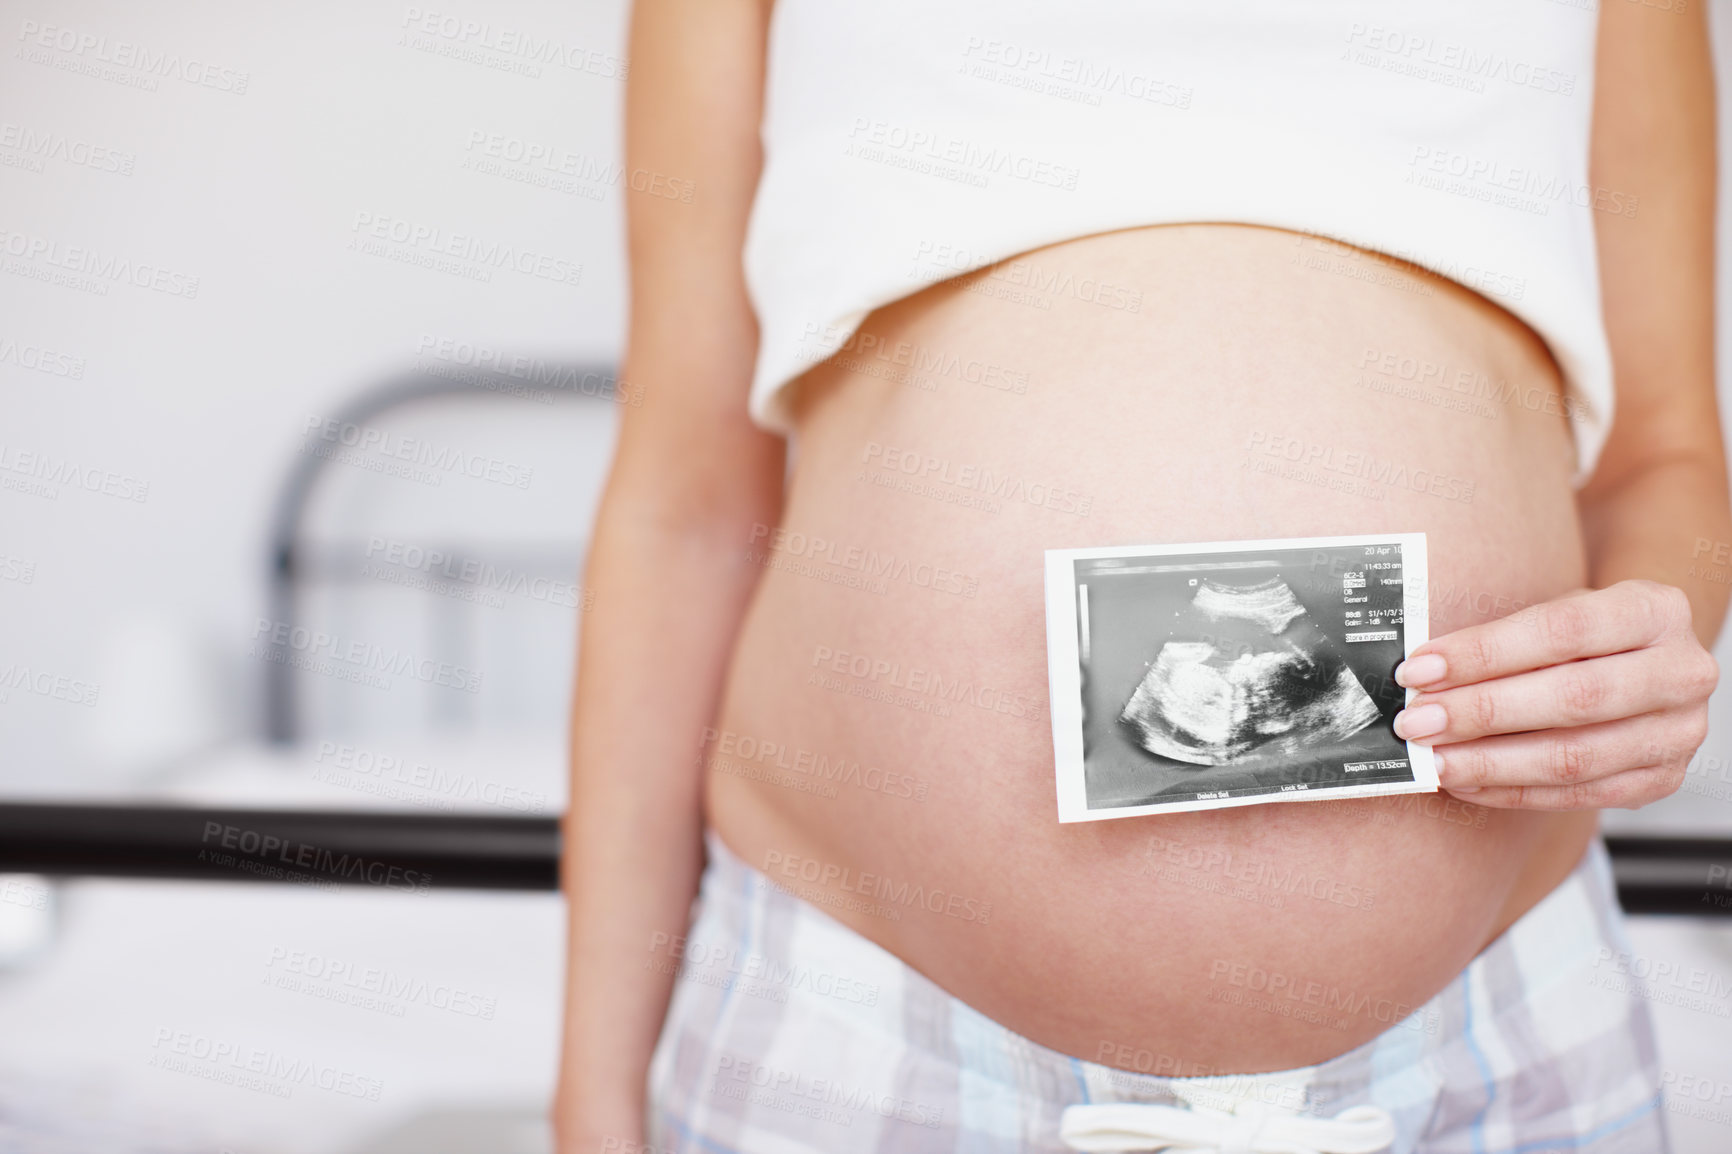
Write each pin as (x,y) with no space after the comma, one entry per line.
(1562,696)
(1594,700)
(1592,623)
(1564,758)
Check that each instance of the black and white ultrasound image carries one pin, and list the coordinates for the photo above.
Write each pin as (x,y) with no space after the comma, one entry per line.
(1228,675)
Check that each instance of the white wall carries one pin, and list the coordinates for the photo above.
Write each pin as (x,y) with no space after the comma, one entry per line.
(246,164)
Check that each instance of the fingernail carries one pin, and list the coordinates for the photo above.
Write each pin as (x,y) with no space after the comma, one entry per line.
(1421,670)
(1421,721)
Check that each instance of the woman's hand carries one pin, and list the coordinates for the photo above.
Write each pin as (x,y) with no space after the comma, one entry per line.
(1595,700)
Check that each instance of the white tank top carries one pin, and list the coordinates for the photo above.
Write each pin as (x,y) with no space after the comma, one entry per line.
(907,141)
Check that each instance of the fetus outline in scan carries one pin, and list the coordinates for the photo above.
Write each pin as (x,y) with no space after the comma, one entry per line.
(1245,671)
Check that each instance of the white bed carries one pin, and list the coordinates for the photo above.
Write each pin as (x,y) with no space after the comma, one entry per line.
(447,1007)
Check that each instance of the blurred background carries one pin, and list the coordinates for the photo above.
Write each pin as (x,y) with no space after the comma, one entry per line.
(307,331)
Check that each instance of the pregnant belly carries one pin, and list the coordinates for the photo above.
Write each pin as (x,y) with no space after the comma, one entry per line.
(884,744)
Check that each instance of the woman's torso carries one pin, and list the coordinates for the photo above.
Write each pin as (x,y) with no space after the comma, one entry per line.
(884,746)
(906,142)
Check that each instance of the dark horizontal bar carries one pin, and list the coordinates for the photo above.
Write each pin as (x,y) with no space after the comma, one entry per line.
(346,849)
(1672,875)
(403,851)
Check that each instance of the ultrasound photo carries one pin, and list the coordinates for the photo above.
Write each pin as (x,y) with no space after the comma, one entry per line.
(1190,677)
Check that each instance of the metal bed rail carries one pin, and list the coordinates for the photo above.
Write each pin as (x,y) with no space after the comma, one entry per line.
(293,561)
(408,852)
(354,849)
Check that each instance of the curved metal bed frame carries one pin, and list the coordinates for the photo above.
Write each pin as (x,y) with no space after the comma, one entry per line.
(1655,875)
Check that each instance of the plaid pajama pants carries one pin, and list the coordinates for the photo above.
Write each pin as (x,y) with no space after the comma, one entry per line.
(788,1033)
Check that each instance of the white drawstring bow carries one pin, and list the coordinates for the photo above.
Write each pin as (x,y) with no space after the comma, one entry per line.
(1252,1128)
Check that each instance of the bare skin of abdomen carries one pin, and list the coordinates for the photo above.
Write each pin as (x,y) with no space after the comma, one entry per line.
(884,746)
